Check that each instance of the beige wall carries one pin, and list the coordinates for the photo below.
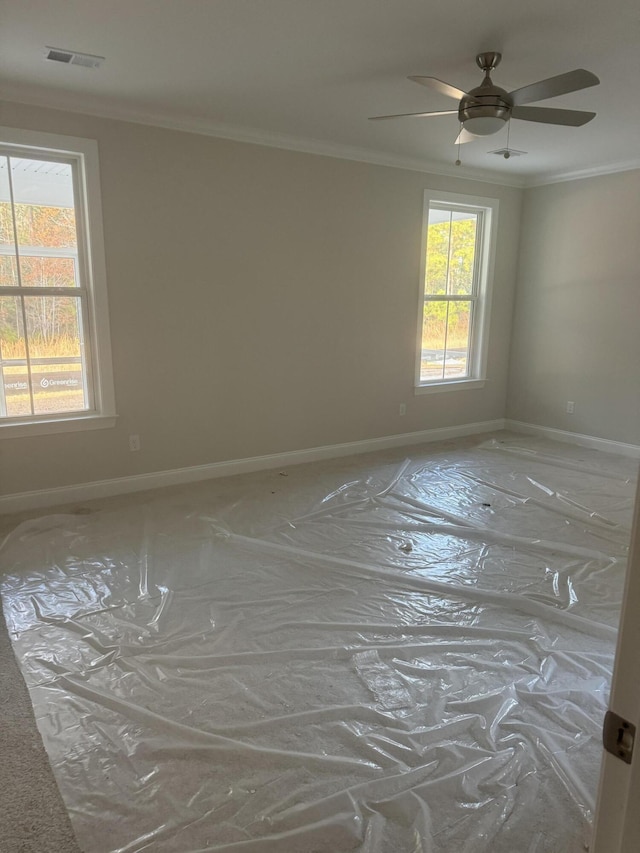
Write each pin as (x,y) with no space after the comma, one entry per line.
(261,301)
(575,332)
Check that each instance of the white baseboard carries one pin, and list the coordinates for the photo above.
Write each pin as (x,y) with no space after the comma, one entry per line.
(605,444)
(25,501)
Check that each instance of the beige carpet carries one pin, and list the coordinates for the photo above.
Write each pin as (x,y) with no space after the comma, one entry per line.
(33,818)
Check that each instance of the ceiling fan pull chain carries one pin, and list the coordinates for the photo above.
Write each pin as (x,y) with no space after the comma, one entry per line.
(485,109)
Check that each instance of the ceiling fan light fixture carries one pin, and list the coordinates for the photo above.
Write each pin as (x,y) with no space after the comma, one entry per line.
(485,109)
(484,125)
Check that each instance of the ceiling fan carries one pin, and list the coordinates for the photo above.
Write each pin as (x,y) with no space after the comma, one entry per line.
(485,110)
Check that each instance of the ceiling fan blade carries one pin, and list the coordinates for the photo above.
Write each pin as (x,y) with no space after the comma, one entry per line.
(440,86)
(569,118)
(416,115)
(465,136)
(572,81)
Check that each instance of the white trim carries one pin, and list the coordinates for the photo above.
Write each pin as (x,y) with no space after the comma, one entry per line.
(604,444)
(96,268)
(255,136)
(83,153)
(483,276)
(617,825)
(451,385)
(141,482)
(579,174)
(305,145)
(49,143)
(72,422)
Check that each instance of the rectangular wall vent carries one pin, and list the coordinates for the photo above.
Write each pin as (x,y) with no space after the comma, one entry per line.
(73,57)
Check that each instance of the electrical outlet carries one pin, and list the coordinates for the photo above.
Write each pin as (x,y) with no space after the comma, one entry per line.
(403,409)
(571,407)
(134,442)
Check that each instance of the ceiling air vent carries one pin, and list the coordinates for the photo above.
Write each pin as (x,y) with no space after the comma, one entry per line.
(508,152)
(72,57)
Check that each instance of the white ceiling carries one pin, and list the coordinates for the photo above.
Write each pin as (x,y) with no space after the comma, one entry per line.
(308,73)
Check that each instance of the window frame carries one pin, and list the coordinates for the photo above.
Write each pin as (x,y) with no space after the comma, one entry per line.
(484,264)
(82,154)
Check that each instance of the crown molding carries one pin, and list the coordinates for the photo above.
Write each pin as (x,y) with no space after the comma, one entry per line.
(304,145)
(579,174)
(255,136)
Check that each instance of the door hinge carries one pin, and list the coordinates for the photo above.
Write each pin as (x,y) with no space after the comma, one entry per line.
(618,736)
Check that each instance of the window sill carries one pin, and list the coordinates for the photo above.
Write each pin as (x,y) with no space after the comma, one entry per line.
(462,385)
(76,423)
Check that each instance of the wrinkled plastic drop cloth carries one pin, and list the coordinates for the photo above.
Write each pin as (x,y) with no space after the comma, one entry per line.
(413,659)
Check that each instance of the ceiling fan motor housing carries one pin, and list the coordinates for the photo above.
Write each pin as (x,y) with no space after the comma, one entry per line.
(485,109)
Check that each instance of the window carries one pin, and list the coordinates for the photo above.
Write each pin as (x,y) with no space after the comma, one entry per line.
(456,273)
(55,358)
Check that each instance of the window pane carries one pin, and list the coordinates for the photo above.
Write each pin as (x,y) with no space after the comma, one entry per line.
(6,223)
(8,271)
(14,393)
(438,242)
(463,250)
(434,326)
(57,281)
(456,361)
(451,247)
(44,206)
(56,354)
(58,387)
(47,272)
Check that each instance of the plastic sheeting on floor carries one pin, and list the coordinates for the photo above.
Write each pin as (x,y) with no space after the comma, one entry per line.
(362,655)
